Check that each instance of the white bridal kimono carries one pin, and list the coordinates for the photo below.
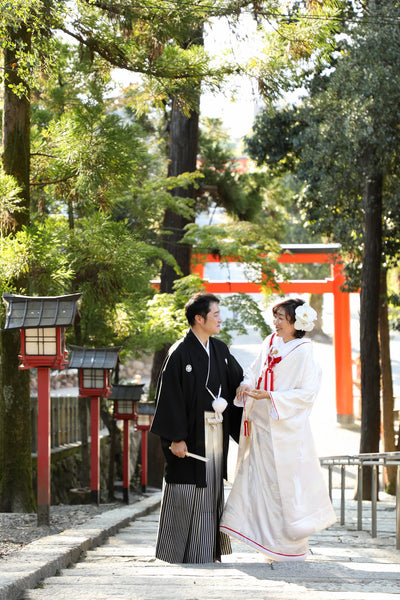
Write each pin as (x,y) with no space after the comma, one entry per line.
(279,496)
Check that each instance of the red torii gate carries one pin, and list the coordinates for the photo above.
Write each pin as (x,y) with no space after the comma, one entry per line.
(300,254)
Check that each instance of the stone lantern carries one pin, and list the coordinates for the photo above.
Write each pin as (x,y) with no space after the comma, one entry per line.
(95,366)
(42,322)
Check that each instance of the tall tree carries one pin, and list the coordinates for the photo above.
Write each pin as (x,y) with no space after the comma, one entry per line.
(143,37)
(369,310)
(356,121)
(16,492)
(183,132)
(389,444)
(345,150)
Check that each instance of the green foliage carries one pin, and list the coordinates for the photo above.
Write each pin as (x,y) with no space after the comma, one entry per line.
(349,115)
(49,266)
(240,193)
(34,261)
(25,30)
(273,138)
(299,37)
(91,153)
(13,262)
(153,38)
(276,141)
(84,152)
(306,211)
(246,313)
(393,284)
(394,310)
(160,40)
(9,202)
(94,157)
(38,250)
(248,243)
(166,321)
(113,269)
(351,118)
(248,196)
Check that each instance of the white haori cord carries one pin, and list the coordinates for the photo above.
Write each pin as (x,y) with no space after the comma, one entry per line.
(219,405)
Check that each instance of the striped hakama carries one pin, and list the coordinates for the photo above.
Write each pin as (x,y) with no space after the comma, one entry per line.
(188,529)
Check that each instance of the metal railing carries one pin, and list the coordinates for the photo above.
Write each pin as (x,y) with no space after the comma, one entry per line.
(375,461)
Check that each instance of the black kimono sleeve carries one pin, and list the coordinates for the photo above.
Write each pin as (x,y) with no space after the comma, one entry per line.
(170,419)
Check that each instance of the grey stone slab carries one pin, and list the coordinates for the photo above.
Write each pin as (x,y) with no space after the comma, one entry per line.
(47,556)
(321,573)
(213,588)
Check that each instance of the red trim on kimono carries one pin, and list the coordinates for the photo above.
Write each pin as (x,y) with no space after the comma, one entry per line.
(260,547)
(270,363)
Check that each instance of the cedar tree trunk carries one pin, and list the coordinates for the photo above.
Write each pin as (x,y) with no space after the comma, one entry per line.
(369,310)
(16,493)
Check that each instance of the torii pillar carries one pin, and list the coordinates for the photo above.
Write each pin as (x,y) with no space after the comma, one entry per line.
(342,346)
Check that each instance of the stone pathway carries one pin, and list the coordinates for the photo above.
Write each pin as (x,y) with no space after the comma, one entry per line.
(344,564)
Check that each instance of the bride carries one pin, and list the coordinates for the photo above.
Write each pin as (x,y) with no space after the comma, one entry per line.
(279,496)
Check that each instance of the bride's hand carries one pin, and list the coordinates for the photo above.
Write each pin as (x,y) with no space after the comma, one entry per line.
(258,394)
(242,391)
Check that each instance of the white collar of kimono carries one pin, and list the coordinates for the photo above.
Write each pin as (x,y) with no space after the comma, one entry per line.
(219,404)
(206,346)
(281,348)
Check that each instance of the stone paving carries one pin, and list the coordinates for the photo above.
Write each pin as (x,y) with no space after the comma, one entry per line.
(344,564)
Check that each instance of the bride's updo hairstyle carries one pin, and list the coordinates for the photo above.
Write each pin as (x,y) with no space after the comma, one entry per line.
(289,306)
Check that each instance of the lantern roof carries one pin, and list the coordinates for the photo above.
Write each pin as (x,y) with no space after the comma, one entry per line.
(126,392)
(145,408)
(93,358)
(25,312)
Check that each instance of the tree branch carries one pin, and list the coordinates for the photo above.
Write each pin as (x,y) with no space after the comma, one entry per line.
(39,184)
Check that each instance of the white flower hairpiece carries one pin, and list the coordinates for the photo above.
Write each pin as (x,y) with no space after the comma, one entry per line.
(305,315)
